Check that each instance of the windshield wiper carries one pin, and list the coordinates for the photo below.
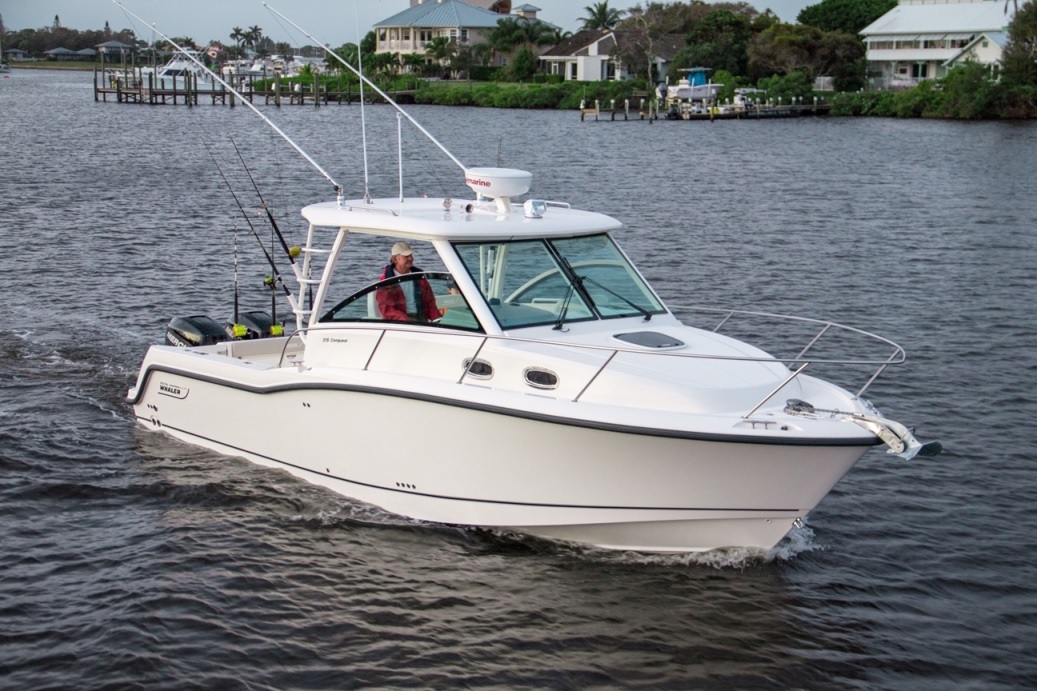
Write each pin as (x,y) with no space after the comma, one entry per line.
(644,313)
(565,307)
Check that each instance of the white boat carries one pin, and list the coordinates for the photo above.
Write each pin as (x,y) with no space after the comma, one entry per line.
(683,91)
(554,393)
(183,66)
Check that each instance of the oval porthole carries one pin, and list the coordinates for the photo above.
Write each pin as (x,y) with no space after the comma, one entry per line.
(541,378)
(478,369)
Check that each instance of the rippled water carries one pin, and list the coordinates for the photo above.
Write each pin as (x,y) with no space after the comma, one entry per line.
(131,560)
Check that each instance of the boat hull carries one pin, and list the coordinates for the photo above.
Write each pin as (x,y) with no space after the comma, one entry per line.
(458,462)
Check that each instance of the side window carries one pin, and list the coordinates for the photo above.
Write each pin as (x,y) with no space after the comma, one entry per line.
(417,298)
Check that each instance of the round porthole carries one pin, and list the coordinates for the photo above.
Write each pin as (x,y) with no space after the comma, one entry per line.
(541,378)
(478,369)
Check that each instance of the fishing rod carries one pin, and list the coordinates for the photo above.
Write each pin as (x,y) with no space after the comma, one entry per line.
(266,208)
(293,251)
(236,293)
(244,100)
(367,81)
(255,233)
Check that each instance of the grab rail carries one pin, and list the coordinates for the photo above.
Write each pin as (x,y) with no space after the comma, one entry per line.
(898,355)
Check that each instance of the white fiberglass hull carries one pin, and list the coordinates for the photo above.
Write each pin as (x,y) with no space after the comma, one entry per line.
(465,462)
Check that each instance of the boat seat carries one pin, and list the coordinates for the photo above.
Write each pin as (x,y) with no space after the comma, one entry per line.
(372,307)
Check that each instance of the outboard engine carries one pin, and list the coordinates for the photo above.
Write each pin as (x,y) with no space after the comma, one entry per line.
(252,325)
(187,332)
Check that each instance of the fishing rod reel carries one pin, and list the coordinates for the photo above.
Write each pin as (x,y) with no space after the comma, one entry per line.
(252,325)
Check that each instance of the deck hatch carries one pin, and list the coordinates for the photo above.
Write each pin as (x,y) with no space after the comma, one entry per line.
(650,339)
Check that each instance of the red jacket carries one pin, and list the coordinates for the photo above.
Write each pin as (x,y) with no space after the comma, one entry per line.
(392,301)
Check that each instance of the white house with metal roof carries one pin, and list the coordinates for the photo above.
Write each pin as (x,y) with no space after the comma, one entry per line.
(923,39)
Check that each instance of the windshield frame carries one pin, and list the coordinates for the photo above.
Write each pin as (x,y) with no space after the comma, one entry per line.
(579,297)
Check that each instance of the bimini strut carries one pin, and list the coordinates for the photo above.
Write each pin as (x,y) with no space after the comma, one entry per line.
(360,75)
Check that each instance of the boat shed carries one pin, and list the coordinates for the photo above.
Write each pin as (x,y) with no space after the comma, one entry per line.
(923,39)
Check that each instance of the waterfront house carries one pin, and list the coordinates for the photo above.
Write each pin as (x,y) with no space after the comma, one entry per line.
(596,54)
(467,22)
(923,39)
(413,29)
(60,53)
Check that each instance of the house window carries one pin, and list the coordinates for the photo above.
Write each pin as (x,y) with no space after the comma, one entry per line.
(406,34)
(464,35)
(572,70)
(453,34)
(424,35)
(920,70)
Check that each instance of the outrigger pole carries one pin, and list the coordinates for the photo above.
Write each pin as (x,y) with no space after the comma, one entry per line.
(244,99)
(367,81)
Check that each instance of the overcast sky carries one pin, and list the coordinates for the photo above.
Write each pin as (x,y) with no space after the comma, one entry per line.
(331,21)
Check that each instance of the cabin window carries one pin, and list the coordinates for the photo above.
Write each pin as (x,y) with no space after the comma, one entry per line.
(478,369)
(540,378)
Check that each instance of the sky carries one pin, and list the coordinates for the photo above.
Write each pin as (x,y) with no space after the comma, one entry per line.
(331,21)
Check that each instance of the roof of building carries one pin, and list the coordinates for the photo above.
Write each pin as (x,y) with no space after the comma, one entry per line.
(444,13)
(1000,38)
(498,6)
(940,18)
(113,44)
(576,42)
(665,47)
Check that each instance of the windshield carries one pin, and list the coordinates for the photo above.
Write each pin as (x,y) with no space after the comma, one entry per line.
(537,282)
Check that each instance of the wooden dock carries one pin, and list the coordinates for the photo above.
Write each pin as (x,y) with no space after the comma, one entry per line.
(648,110)
(129,87)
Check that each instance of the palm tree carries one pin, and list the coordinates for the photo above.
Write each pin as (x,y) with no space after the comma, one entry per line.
(512,33)
(441,50)
(253,35)
(238,36)
(601,16)
(559,35)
